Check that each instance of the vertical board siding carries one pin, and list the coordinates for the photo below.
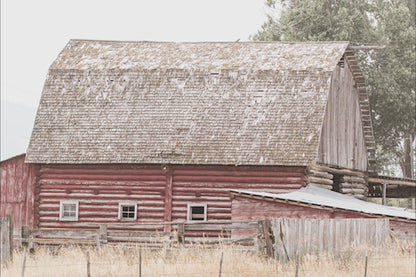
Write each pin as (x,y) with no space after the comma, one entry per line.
(17,191)
(249,207)
(327,235)
(100,188)
(342,139)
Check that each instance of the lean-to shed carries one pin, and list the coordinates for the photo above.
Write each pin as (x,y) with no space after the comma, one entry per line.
(161,131)
(318,203)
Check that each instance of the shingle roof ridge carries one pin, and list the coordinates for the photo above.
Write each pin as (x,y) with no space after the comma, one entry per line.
(205,42)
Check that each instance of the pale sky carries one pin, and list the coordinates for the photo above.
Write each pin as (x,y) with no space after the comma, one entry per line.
(34,32)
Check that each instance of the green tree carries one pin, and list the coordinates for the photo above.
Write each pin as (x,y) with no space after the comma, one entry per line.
(390,72)
(391,83)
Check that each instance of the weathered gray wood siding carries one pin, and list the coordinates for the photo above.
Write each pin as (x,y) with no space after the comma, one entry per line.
(342,140)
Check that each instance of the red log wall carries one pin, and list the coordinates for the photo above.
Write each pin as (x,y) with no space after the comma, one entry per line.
(17,191)
(161,191)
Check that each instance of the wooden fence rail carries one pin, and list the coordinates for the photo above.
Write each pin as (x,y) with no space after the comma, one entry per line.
(185,233)
(281,238)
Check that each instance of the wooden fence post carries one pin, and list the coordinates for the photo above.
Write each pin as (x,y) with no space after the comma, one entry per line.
(220,272)
(265,238)
(103,233)
(25,236)
(88,264)
(6,239)
(23,264)
(366,264)
(297,265)
(281,235)
(181,233)
(269,238)
(260,237)
(140,263)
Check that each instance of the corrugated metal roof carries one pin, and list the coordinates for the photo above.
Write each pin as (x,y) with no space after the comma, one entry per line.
(237,103)
(323,197)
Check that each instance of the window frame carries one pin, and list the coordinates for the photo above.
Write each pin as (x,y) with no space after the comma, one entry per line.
(189,211)
(126,204)
(61,210)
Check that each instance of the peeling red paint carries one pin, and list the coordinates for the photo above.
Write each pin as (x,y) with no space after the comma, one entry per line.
(17,191)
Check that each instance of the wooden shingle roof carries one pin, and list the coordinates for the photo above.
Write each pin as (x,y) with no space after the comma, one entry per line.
(251,103)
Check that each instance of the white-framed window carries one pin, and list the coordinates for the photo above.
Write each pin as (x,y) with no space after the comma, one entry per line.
(127,211)
(68,210)
(197,212)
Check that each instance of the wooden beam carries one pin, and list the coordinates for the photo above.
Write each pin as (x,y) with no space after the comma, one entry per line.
(375,180)
(368,47)
(168,197)
(383,194)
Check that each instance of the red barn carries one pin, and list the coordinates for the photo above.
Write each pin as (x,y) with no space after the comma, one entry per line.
(154,131)
(314,202)
(17,198)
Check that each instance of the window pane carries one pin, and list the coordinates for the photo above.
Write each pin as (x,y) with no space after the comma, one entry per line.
(69,210)
(198,213)
(128,211)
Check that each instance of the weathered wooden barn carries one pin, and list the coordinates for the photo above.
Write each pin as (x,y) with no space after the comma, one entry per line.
(317,203)
(160,131)
(17,198)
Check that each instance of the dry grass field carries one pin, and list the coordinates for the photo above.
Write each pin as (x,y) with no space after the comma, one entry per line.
(71,261)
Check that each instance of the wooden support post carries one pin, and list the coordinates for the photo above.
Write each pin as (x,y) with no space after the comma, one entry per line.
(366,265)
(103,233)
(25,236)
(168,197)
(98,245)
(265,238)
(269,238)
(297,265)
(23,265)
(220,272)
(6,239)
(383,194)
(181,233)
(260,237)
(88,264)
(283,241)
(140,263)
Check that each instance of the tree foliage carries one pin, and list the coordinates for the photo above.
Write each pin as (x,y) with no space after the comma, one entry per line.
(390,72)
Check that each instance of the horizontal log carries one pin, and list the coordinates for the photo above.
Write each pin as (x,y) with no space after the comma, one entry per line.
(329,187)
(379,181)
(104,177)
(219,170)
(321,174)
(98,186)
(348,172)
(235,173)
(321,181)
(360,197)
(353,185)
(102,182)
(354,179)
(218,227)
(239,179)
(100,171)
(353,191)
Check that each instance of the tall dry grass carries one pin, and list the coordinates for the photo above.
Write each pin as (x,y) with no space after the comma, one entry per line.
(201,261)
